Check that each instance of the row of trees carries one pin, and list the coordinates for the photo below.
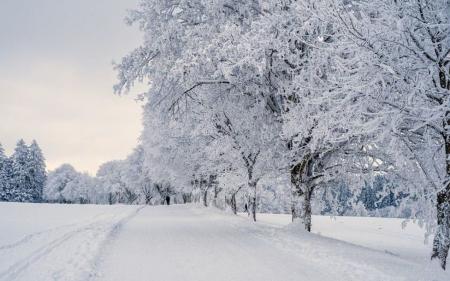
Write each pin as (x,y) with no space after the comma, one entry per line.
(23,174)
(116,182)
(245,94)
(128,182)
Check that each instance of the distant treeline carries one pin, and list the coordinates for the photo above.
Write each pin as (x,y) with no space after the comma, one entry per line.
(23,178)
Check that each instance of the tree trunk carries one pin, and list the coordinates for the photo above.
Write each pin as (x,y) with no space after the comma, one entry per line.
(296,182)
(216,194)
(110,198)
(305,213)
(441,242)
(252,200)
(233,203)
(307,210)
(253,208)
(294,204)
(187,198)
(205,198)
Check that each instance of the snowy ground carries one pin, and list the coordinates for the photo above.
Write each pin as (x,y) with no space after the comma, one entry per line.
(382,234)
(189,243)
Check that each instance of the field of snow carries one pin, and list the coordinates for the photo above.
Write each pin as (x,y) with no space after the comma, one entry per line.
(190,243)
(381,234)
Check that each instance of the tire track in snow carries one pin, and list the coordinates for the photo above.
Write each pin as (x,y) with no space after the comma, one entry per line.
(31,236)
(34,235)
(13,271)
(95,224)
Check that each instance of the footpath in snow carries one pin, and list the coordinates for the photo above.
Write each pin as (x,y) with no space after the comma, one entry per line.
(41,242)
(189,243)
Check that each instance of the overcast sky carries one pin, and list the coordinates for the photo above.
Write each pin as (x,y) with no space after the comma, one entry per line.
(56,79)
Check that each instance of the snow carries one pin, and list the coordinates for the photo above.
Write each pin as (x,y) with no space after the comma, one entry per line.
(54,242)
(381,234)
(187,242)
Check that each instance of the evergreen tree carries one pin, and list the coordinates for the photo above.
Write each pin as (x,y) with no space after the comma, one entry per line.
(21,181)
(4,178)
(36,171)
(380,194)
(8,177)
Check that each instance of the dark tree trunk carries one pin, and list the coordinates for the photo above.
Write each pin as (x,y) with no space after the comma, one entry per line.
(294,212)
(302,189)
(110,198)
(205,198)
(441,242)
(305,213)
(187,198)
(167,200)
(233,203)
(307,210)
(252,210)
(216,194)
(296,193)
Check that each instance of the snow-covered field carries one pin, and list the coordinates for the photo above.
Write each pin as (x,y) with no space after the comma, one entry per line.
(81,242)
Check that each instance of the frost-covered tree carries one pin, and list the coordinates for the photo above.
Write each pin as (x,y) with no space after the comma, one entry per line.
(312,76)
(3,178)
(119,181)
(5,175)
(37,171)
(138,178)
(410,44)
(66,185)
(111,181)
(174,152)
(22,186)
(126,181)
(26,172)
(81,189)
(335,91)
(57,182)
(192,85)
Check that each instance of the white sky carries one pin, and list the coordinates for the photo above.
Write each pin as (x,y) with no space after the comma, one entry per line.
(56,79)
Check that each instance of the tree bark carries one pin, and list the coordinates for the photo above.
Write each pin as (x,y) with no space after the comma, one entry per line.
(307,210)
(294,203)
(233,203)
(205,198)
(187,198)
(305,213)
(252,185)
(441,242)
(302,189)
(216,194)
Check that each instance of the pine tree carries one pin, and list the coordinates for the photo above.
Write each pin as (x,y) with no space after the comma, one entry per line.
(8,178)
(36,172)
(21,181)
(4,179)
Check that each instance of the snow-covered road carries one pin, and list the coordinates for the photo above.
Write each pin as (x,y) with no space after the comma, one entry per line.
(195,244)
(185,243)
